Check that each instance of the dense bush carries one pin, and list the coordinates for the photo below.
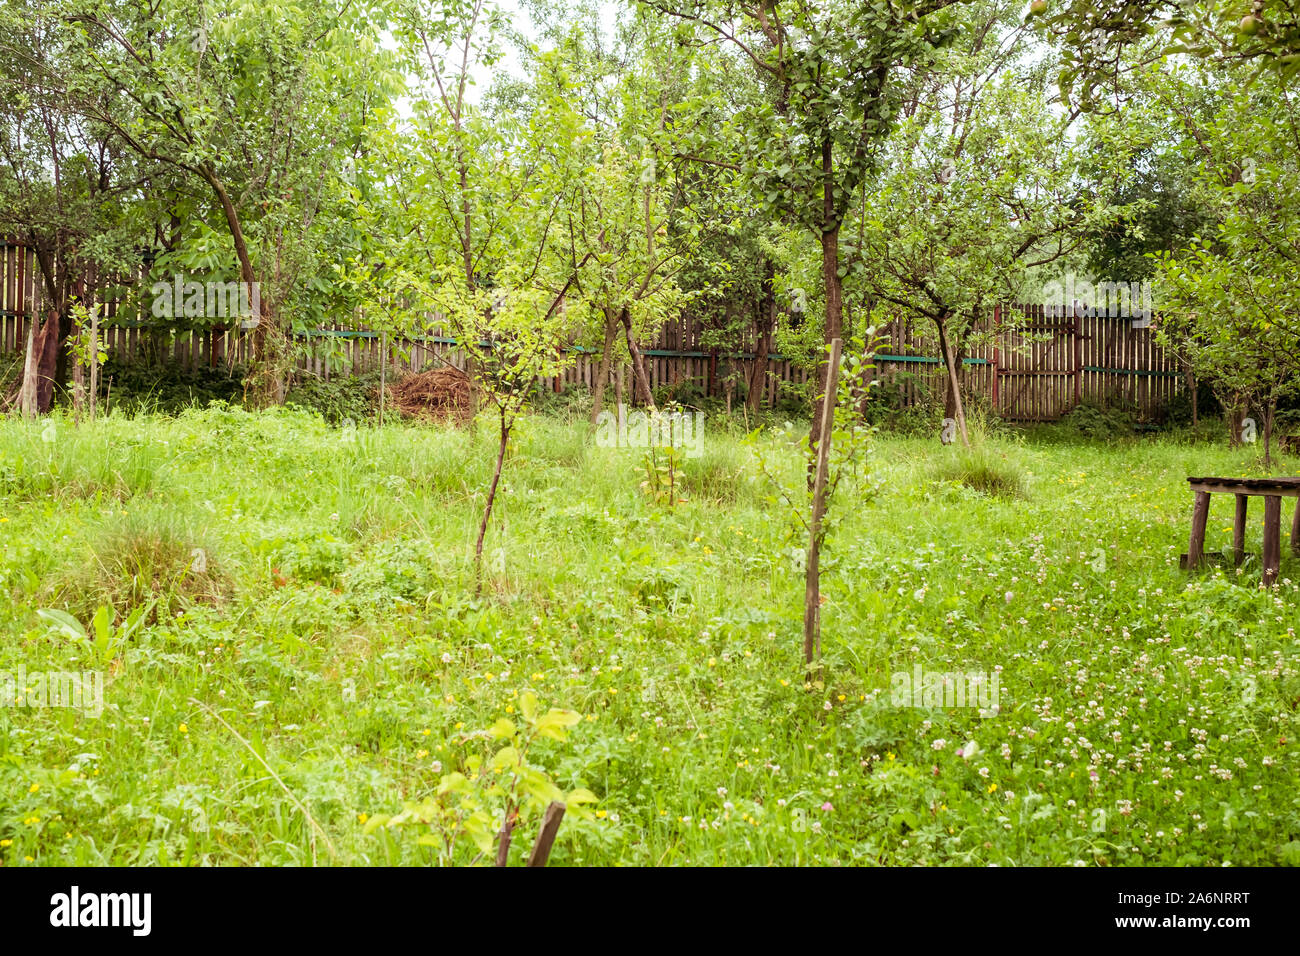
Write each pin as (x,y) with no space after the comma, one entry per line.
(343,397)
(166,387)
(1092,420)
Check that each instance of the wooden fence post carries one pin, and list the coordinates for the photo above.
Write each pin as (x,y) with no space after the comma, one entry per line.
(94,361)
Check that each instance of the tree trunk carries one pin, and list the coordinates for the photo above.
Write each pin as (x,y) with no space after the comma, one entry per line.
(602,373)
(269,387)
(1270,410)
(56,276)
(39,367)
(487,510)
(766,322)
(236,229)
(953,400)
(27,393)
(1237,408)
(640,381)
(1192,390)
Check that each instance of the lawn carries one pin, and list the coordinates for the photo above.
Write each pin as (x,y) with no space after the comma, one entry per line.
(296,667)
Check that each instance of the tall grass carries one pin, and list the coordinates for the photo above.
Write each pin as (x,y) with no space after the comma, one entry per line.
(53,458)
(335,629)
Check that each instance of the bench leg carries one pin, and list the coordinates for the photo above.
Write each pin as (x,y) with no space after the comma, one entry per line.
(1239,531)
(1272,537)
(1295,529)
(1196,544)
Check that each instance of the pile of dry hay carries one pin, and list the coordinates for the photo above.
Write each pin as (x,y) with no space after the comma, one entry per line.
(438,395)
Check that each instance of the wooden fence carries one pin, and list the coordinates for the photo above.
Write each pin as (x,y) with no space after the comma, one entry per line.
(1027,366)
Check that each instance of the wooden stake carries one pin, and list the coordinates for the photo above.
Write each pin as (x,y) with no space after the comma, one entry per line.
(94,361)
(551,820)
(812,571)
(29,372)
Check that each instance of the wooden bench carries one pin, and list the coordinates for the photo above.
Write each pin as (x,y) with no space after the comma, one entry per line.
(1272,490)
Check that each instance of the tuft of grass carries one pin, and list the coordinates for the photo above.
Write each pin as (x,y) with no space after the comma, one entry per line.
(723,472)
(985,469)
(150,558)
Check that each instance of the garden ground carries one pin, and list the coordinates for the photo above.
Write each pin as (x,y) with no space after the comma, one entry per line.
(294,653)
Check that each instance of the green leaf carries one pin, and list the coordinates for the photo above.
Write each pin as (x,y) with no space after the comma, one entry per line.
(102,624)
(479,827)
(506,758)
(63,622)
(528,706)
(554,721)
(503,729)
(454,783)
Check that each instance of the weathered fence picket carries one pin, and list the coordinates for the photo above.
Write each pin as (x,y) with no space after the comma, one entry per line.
(1034,369)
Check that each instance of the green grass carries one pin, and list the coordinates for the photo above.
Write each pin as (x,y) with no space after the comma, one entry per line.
(1145,716)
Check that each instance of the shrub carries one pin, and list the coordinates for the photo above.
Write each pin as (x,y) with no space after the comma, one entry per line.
(1091,420)
(352,397)
(168,388)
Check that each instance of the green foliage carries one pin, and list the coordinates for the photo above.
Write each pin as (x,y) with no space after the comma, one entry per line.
(1097,421)
(297,622)
(166,387)
(319,560)
(343,398)
(661,478)
(492,793)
